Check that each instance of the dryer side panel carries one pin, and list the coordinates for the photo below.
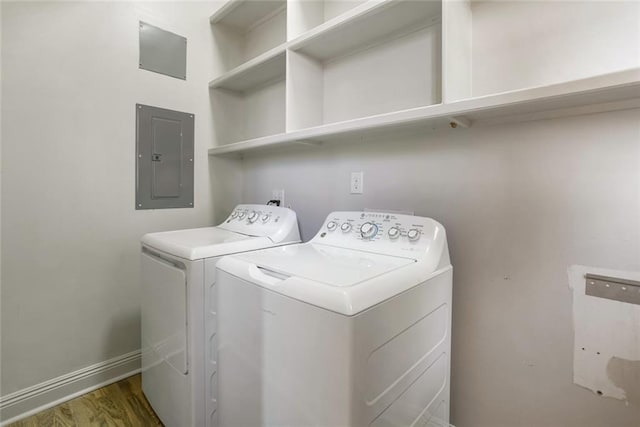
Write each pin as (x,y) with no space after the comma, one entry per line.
(164,311)
(211,342)
(164,339)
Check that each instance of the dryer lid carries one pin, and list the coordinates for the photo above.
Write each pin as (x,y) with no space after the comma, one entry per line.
(329,265)
(207,242)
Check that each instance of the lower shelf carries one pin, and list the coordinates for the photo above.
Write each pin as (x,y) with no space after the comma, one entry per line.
(610,92)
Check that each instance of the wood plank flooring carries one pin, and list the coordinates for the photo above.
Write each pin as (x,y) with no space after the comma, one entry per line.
(121,404)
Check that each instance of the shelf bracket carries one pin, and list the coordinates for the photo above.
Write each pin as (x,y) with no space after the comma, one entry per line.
(613,288)
(461,121)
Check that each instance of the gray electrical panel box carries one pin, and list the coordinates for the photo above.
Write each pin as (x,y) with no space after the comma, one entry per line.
(162,52)
(164,158)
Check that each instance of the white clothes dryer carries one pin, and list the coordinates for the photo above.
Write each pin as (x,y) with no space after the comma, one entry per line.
(178,276)
(350,329)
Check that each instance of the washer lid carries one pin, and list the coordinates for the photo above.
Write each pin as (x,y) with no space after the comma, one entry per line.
(329,265)
(207,242)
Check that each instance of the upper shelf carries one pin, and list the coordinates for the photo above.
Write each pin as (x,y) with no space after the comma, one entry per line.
(365,25)
(615,91)
(267,67)
(359,28)
(245,14)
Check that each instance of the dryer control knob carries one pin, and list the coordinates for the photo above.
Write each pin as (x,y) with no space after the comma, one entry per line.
(242,214)
(234,214)
(332,225)
(253,216)
(368,230)
(394,232)
(265,218)
(345,227)
(413,234)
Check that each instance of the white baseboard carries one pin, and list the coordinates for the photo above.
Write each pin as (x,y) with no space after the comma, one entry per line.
(31,400)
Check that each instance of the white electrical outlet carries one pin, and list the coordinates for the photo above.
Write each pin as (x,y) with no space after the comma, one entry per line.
(357,182)
(278,195)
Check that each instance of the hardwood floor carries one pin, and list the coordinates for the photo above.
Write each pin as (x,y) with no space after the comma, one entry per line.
(121,404)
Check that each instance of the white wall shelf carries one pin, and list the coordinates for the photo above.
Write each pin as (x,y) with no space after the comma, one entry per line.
(240,116)
(496,46)
(306,15)
(615,91)
(375,58)
(267,67)
(365,26)
(370,23)
(245,14)
(312,71)
(244,30)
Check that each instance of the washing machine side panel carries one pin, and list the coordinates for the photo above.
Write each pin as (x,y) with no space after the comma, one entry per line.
(282,362)
(402,353)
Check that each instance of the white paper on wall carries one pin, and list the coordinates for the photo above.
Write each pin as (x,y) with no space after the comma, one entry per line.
(606,352)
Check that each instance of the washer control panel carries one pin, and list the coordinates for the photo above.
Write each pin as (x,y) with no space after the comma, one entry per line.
(258,220)
(388,233)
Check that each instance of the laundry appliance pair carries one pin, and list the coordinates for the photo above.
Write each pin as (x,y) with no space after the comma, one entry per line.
(349,329)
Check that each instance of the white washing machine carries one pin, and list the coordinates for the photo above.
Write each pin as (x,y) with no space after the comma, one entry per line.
(178,276)
(350,329)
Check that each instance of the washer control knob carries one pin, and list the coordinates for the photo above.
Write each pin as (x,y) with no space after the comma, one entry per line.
(234,214)
(345,227)
(242,214)
(265,218)
(332,225)
(368,230)
(413,234)
(394,232)
(253,216)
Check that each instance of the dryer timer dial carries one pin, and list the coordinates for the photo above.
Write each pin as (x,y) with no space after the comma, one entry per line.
(413,234)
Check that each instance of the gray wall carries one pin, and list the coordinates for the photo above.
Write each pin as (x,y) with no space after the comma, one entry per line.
(521,203)
(70,265)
